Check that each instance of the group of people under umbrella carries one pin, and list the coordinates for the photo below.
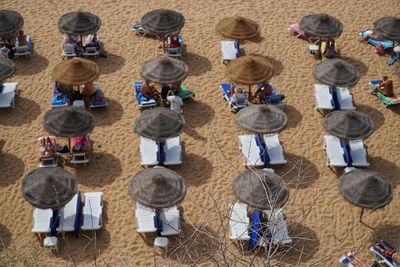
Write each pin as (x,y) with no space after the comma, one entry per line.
(12,37)
(80,29)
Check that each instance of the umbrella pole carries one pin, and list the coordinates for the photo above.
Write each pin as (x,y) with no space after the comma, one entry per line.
(361,215)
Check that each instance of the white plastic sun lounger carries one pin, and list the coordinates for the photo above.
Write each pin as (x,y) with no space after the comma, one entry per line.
(68,215)
(334,151)
(358,153)
(68,50)
(7,96)
(277,227)
(274,149)
(229,50)
(323,97)
(145,219)
(239,222)
(92,211)
(344,98)
(170,221)
(173,151)
(250,150)
(42,220)
(148,151)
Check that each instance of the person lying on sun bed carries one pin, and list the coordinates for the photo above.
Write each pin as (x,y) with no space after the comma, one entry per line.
(237,95)
(388,252)
(81,144)
(47,148)
(265,94)
(385,87)
(148,90)
(91,41)
(21,38)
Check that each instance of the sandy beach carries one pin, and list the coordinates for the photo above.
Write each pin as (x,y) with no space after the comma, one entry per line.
(325,224)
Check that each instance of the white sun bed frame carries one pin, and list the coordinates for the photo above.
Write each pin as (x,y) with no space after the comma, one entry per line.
(68,216)
(92,211)
(170,221)
(239,222)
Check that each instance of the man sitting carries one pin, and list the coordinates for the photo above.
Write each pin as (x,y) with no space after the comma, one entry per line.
(148,91)
(265,94)
(92,41)
(385,87)
(21,38)
(81,144)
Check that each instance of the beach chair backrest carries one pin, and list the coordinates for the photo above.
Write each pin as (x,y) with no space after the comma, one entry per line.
(69,48)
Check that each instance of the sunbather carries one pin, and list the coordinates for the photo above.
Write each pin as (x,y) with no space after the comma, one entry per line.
(388,252)
(330,49)
(173,41)
(92,94)
(21,38)
(385,87)
(265,94)
(148,90)
(238,96)
(47,147)
(91,41)
(81,144)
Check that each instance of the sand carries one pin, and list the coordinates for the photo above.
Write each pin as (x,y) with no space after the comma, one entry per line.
(326,225)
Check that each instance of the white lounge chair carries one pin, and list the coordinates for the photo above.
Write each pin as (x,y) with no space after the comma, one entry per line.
(274,149)
(250,151)
(148,151)
(358,153)
(277,227)
(173,151)
(344,98)
(334,151)
(230,50)
(91,51)
(68,50)
(239,222)
(42,220)
(170,221)
(68,216)
(7,96)
(23,50)
(175,52)
(93,211)
(145,219)
(323,97)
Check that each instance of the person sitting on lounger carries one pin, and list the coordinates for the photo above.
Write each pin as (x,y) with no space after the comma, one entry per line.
(81,144)
(173,41)
(91,41)
(265,94)
(21,38)
(238,97)
(330,50)
(148,91)
(92,94)
(385,87)
(47,148)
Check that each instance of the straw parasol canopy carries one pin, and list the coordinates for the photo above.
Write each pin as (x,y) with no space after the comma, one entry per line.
(366,188)
(262,119)
(336,72)
(162,21)
(321,25)
(164,70)
(388,28)
(249,70)
(76,71)
(79,23)
(49,188)
(7,68)
(237,27)
(349,124)
(10,22)
(159,124)
(68,121)
(261,189)
(157,188)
